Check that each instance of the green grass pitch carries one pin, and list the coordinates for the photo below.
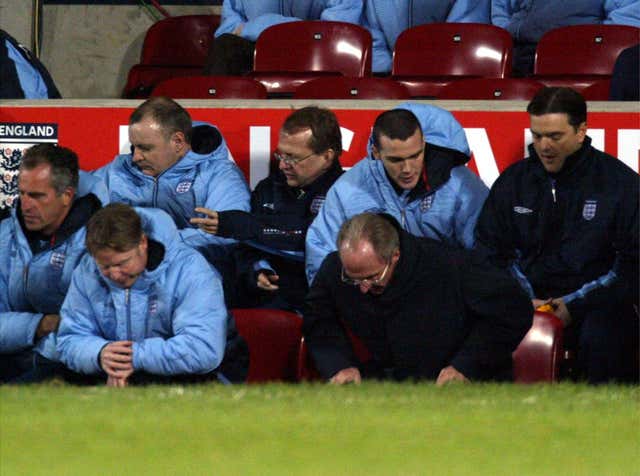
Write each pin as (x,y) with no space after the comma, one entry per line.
(371,429)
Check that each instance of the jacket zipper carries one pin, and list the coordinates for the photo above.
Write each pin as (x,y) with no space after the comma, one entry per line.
(128,306)
(155,192)
(553,189)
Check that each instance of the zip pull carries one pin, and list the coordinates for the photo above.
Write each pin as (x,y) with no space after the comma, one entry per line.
(553,190)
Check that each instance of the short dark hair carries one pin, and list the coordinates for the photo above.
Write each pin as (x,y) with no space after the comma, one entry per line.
(395,124)
(63,162)
(371,227)
(325,130)
(560,100)
(170,115)
(116,226)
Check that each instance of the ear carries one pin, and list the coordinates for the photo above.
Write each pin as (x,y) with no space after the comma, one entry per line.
(582,132)
(179,142)
(329,156)
(375,152)
(395,256)
(67,196)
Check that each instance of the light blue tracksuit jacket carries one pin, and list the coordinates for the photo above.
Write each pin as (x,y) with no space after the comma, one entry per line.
(207,180)
(528,20)
(386,19)
(175,314)
(448,211)
(258,15)
(32,285)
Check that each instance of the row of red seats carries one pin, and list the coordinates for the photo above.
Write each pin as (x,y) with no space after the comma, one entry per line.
(277,351)
(426,58)
(342,87)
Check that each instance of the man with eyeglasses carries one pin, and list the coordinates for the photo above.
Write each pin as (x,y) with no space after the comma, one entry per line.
(416,172)
(419,308)
(270,263)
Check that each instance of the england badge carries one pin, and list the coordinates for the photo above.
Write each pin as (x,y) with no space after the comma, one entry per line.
(589,209)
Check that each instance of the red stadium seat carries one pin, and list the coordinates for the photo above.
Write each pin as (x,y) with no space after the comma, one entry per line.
(172,47)
(578,55)
(539,355)
(427,57)
(536,359)
(288,54)
(598,90)
(273,337)
(142,78)
(351,88)
(491,88)
(211,87)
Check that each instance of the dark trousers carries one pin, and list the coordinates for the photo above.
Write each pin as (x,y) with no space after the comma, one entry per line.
(30,367)
(605,344)
(229,55)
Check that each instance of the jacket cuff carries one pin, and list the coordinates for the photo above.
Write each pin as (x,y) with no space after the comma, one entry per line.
(466,365)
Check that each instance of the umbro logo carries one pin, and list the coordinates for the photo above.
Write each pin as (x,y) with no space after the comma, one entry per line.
(522,210)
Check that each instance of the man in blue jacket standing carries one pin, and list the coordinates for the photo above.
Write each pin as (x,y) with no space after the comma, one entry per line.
(142,302)
(386,19)
(177,166)
(40,245)
(243,20)
(415,172)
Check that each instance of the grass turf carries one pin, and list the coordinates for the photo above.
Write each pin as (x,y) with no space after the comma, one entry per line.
(375,428)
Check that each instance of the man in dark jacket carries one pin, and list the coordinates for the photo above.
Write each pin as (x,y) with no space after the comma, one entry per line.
(421,308)
(270,263)
(566,221)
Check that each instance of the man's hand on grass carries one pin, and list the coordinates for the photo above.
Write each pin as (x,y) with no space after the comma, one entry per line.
(348,375)
(450,374)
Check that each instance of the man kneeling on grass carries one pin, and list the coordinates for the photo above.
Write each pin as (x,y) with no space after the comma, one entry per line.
(143,306)
(422,309)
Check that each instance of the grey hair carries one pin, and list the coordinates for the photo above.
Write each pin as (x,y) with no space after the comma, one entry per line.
(373,228)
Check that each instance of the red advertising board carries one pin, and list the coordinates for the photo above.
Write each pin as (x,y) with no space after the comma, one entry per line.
(497,138)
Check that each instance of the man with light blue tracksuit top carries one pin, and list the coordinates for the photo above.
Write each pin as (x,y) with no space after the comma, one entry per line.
(386,19)
(40,245)
(415,171)
(143,306)
(178,166)
(242,22)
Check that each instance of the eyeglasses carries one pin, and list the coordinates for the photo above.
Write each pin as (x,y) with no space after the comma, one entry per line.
(288,160)
(366,281)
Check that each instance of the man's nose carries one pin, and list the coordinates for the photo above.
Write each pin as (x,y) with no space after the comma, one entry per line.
(25,202)
(282,165)
(545,143)
(364,287)
(137,155)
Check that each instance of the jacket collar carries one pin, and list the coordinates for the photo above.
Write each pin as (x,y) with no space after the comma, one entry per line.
(438,162)
(81,210)
(572,164)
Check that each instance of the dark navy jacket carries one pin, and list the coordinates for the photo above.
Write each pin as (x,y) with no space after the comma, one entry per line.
(573,234)
(440,308)
(274,235)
